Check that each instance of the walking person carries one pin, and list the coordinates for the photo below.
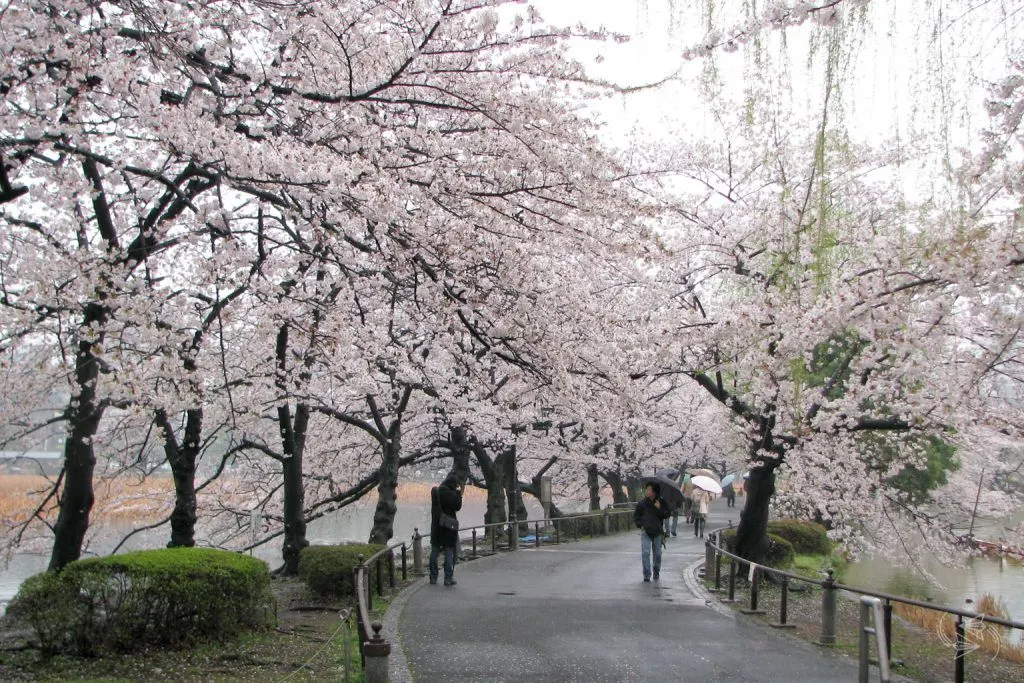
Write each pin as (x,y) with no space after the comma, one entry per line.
(701,501)
(672,522)
(730,495)
(649,516)
(445,502)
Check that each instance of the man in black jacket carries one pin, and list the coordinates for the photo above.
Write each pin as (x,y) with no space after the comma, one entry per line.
(649,517)
(446,499)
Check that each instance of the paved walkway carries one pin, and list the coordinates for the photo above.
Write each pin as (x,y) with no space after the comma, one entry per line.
(581,612)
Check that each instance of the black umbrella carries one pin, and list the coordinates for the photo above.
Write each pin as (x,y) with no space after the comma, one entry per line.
(669,490)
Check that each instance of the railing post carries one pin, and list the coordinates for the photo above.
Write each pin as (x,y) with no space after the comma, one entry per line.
(784,605)
(732,581)
(607,521)
(871,606)
(887,620)
(558,538)
(513,535)
(718,571)
(864,663)
(391,569)
(474,543)
(828,610)
(405,563)
(754,581)
(961,650)
(375,657)
(417,553)
(380,576)
(709,558)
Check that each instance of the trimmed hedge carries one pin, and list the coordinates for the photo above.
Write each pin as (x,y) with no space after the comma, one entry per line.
(780,552)
(153,598)
(808,538)
(328,570)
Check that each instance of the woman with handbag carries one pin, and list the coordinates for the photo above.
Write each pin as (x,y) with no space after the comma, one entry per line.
(445,502)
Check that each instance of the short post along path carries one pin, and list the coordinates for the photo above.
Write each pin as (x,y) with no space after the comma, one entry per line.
(581,612)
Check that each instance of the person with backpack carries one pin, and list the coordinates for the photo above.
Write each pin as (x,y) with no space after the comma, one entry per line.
(445,502)
(649,516)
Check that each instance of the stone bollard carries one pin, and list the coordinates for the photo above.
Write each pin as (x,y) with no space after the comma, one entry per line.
(417,552)
(375,652)
(828,611)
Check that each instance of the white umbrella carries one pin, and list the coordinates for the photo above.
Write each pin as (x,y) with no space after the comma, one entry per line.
(707,483)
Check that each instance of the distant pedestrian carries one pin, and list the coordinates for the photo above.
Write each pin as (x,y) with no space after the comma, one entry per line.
(445,502)
(701,501)
(649,517)
(730,496)
(672,522)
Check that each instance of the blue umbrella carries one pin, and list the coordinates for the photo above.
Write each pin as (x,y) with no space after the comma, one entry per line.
(729,478)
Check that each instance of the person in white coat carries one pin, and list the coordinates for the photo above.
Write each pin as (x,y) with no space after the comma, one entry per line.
(701,502)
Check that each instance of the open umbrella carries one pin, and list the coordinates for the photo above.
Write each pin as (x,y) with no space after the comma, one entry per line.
(729,478)
(697,472)
(669,490)
(708,484)
(670,473)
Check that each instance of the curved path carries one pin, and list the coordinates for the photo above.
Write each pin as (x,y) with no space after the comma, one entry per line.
(581,612)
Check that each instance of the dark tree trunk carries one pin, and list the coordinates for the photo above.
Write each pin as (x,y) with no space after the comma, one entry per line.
(387,492)
(514,496)
(594,486)
(83,415)
(632,484)
(752,533)
(293,436)
(460,449)
(614,479)
(494,478)
(182,459)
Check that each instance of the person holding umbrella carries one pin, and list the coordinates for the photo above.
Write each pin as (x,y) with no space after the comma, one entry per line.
(704,490)
(649,516)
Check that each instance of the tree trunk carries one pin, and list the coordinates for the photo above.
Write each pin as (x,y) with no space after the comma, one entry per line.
(514,497)
(460,449)
(632,483)
(182,459)
(387,492)
(614,479)
(594,486)
(293,435)
(752,533)
(83,414)
(494,478)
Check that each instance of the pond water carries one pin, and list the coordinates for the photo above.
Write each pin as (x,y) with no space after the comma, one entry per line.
(350,524)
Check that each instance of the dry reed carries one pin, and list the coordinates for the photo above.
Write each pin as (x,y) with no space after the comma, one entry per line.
(979,634)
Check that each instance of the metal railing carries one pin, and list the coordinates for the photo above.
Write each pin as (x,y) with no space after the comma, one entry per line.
(714,552)
(375,649)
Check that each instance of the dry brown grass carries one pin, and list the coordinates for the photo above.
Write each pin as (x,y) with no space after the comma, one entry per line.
(980,635)
(140,500)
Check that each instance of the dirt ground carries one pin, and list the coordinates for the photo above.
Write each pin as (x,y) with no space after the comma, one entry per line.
(312,642)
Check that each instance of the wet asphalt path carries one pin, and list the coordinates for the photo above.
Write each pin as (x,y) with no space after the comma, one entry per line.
(581,612)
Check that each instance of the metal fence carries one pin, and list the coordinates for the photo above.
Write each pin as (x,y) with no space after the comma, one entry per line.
(375,648)
(716,554)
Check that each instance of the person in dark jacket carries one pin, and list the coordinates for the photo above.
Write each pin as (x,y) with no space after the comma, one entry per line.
(649,517)
(447,499)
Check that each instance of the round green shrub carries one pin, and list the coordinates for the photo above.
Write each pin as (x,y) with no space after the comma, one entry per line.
(328,570)
(808,538)
(151,598)
(780,551)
